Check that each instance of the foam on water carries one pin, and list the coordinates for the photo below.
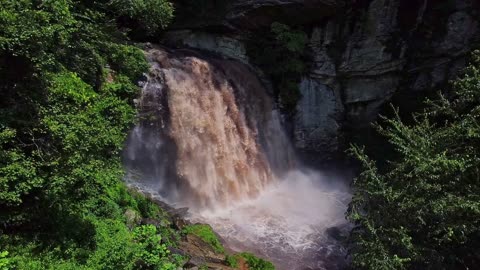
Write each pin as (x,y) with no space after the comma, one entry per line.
(287,222)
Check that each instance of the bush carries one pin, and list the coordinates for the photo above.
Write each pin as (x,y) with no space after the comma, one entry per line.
(115,248)
(423,211)
(150,15)
(232,261)
(5,262)
(152,253)
(128,60)
(255,263)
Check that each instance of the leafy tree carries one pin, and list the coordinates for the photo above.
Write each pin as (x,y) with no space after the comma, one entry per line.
(423,211)
(67,80)
(150,15)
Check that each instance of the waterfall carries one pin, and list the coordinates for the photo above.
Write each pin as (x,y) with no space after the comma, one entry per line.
(209,138)
(220,126)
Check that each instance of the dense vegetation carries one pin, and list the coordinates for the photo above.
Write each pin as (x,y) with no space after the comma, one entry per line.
(253,262)
(68,75)
(423,210)
(67,82)
(281,53)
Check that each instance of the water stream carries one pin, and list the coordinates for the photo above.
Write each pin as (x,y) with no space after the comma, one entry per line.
(209,138)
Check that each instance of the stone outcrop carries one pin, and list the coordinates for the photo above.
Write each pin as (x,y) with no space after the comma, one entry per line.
(363,53)
(318,119)
(380,48)
(250,14)
(225,45)
(241,15)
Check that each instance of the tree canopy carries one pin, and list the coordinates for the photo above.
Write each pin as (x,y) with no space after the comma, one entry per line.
(423,210)
(68,76)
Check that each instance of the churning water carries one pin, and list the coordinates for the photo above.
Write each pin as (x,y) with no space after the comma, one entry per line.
(209,138)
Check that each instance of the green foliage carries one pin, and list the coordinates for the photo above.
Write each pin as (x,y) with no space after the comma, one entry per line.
(18,175)
(35,30)
(152,15)
(5,263)
(115,248)
(423,211)
(206,233)
(281,54)
(67,80)
(255,263)
(71,88)
(128,60)
(152,253)
(232,261)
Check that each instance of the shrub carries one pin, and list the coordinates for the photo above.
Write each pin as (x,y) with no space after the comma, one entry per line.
(422,212)
(206,233)
(128,60)
(232,261)
(5,262)
(150,15)
(152,253)
(255,263)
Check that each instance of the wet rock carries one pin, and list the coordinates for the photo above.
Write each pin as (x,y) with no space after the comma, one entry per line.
(177,218)
(180,212)
(337,233)
(179,223)
(151,221)
(319,113)
(373,52)
(195,261)
(177,251)
(196,247)
(227,46)
(364,53)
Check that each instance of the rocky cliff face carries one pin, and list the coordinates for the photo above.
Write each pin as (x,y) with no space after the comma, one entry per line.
(363,53)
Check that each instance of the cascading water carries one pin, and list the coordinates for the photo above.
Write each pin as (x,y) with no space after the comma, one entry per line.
(210,139)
